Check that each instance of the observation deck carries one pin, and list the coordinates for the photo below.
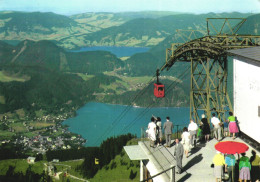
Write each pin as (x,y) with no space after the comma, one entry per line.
(196,167)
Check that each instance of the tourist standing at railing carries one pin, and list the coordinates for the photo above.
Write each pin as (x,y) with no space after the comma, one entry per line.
(159,130)
(152,132)
(205,127)
(217,127)
(192,128)
(168,127)
(233,129)
(178,153)
(226,129)
(186,141)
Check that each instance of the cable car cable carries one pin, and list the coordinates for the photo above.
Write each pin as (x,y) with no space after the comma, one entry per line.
(159,100)
(119,118)
(123,113)
(145,111)
(140,115)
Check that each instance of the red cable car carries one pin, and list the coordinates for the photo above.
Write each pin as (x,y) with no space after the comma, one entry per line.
(158,90)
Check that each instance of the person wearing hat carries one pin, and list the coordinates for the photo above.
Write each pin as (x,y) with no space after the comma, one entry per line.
(218,162)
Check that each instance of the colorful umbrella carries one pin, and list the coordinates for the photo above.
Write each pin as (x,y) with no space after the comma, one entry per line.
(230,147)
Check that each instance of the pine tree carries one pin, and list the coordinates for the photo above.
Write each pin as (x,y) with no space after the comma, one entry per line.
(132,175)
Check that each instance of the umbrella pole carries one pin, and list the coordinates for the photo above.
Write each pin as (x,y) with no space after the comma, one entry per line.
(232,174)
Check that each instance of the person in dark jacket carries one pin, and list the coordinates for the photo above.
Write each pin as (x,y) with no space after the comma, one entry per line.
(168,126)
(205,127)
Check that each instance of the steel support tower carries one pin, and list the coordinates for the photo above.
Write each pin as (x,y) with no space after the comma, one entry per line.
(208,62)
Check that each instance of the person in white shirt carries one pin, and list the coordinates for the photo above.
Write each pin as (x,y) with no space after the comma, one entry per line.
(186,141)
(192,128)
(217,128)
(152,132)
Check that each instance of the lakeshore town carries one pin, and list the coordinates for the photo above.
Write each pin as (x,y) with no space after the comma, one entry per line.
(42,134)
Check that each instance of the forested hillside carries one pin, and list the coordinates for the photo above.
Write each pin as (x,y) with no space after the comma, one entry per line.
(47,54)
(251,26)
(42,76)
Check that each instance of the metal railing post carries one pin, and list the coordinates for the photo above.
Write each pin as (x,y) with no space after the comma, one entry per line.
(141,170)
(172,176)
(177,131)
(172,173)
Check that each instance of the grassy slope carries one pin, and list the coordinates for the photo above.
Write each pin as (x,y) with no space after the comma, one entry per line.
(21,165)
(6,134)
(9,78)
(118,174)
(122,170)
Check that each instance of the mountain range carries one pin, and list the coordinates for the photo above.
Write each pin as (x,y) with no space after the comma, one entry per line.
(99,29)
(39,73)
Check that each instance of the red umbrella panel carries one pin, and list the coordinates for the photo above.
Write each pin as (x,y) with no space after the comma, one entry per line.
(230,147)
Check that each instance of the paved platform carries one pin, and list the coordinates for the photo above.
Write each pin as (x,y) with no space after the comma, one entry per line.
(196,167)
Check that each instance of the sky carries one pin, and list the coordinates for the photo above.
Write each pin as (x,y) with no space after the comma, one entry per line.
(69,7)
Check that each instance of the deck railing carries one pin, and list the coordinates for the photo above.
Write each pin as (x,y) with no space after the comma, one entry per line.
(172,176)
(177,131)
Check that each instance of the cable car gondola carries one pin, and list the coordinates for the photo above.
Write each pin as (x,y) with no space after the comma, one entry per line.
(158,90)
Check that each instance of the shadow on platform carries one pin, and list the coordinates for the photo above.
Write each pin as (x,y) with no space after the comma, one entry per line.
(196,149)
(185,177)
(193,161)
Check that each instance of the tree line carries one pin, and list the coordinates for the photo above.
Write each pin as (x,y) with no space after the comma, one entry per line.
(107,151)
(29,176)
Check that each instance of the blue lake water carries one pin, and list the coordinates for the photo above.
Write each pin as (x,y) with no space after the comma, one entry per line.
(118,51)
(97,121)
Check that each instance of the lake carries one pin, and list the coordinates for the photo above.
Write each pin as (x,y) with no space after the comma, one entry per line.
(118,51)
(97,121)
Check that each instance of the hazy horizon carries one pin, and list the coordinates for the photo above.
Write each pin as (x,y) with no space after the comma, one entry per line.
(68,7)
(173,12)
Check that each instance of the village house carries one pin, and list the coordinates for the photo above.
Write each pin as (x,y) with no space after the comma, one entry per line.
(31,160)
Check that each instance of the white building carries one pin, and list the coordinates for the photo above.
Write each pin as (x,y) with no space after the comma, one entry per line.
(31,160)
(246,90)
